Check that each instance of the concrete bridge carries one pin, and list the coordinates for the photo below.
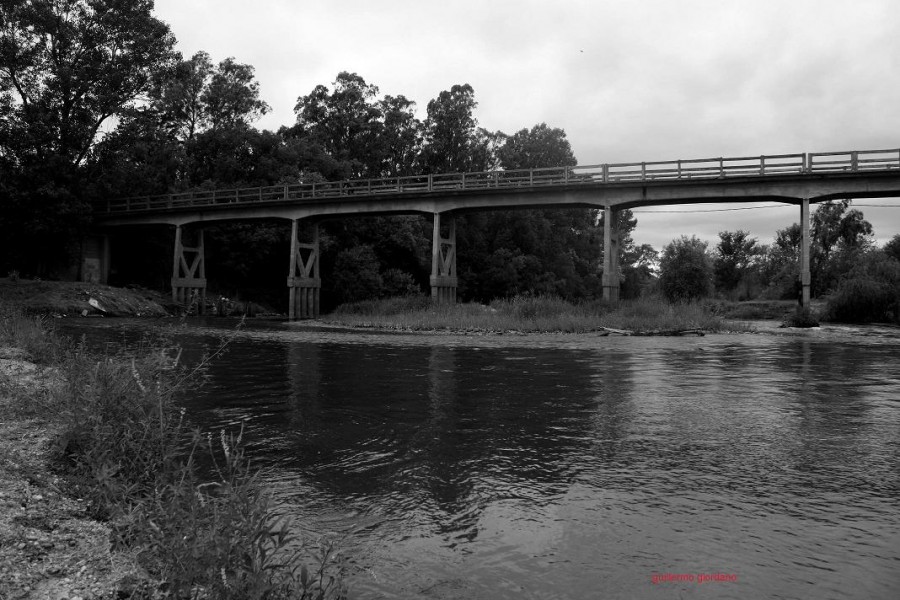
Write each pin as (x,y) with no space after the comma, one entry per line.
(798,179)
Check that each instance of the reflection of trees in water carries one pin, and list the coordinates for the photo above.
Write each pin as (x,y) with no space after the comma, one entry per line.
(455,428)
(614,383)
(835,390)
(304,374)
(509,425)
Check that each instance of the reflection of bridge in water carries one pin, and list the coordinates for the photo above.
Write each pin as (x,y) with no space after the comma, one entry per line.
(798,179)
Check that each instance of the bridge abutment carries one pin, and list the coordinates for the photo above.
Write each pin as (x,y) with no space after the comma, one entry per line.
(304,282)
(95,257)
(443,261)
(189,272)
(610,277)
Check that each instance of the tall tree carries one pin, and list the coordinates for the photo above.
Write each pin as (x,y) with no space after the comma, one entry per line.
(541,146)
(503,253)
(347,122)
(734,256)
(401,136)
(453,140)
(835,225)
(66,68)
(231,99)
(178,96)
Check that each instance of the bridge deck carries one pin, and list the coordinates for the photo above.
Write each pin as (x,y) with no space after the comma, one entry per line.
(678,171)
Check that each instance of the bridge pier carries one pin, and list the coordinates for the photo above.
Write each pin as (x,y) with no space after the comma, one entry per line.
(610,277)
(304,282)
(443,262)
(805,277)
(189,272)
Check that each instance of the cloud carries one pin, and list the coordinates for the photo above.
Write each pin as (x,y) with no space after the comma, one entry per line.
(628,81)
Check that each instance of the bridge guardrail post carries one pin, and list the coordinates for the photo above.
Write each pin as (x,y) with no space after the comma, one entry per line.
(721,167)
(762,165)
(854,161)
(285,192)
(430,182)
(605,171)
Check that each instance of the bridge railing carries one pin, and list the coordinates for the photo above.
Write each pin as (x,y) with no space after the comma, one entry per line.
(856,160)
(676,170)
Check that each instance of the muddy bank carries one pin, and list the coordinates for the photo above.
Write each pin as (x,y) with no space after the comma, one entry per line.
(74,299)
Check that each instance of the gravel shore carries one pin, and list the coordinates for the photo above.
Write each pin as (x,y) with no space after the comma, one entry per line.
(49,547)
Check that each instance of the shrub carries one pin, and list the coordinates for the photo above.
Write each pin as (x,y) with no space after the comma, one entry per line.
(685,270)
(863,300)
(801,317)
(869,293)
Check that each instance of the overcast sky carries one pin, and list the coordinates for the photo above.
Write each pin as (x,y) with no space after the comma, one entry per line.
(627,80)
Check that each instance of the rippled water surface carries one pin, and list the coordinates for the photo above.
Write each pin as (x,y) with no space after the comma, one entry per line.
(580,466)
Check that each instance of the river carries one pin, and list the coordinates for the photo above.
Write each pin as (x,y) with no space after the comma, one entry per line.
(574,466)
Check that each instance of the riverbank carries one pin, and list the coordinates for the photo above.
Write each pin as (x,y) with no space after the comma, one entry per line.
(101,493)
(79,299)
(49,547)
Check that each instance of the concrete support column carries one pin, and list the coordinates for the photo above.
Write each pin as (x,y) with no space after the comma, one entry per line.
(805,277)
(610,255)
(189,272)
(304,281)
(443,262)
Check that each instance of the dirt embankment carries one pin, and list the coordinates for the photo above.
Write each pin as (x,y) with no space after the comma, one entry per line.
(72,299)
(49,548)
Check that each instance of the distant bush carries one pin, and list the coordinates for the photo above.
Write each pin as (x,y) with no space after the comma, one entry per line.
(863,300)
(870,293)
(801,317)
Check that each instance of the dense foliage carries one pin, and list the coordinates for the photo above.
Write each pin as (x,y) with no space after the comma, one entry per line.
(685,270)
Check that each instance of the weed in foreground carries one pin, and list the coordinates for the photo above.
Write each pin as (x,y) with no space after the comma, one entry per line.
(123,446)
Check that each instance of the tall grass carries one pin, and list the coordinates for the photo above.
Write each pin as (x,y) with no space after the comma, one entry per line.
(527,314)
(122,444)
(31,333)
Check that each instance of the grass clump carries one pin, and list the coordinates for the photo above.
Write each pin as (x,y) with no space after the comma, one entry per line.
(801,317)
(197,531)
(529,314)
(30,333)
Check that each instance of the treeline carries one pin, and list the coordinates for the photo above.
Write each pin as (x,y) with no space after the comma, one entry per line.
(96,104)
(860,281)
